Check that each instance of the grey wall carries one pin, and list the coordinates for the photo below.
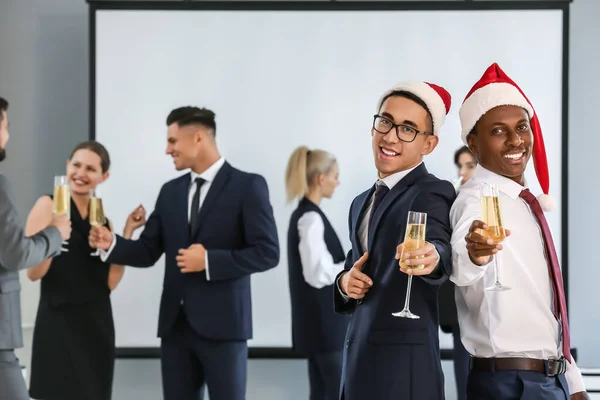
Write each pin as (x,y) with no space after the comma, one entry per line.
(44,74)
(584,181)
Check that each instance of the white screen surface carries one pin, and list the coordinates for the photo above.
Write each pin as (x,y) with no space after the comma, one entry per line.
(277,80)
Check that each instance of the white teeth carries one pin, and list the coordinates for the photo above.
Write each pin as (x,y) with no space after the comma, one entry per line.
(514,156)
(389,153)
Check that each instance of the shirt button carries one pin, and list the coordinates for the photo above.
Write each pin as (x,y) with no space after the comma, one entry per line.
(347,343)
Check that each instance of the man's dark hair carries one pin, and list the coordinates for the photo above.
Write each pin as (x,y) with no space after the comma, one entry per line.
(3,107)
(95,147)
(459,152)
(413,97)
(185,116)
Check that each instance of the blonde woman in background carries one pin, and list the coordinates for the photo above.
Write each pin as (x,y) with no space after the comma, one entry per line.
(315,257)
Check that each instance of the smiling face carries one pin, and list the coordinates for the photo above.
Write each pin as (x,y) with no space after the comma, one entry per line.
(502,141)
(185,144)
(393,155)
(84,171)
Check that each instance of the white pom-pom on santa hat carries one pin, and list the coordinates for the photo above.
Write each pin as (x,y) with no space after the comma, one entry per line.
(547,202)
(436,98)
(496,89)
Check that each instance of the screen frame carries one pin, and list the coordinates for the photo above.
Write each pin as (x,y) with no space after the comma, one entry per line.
(333,5)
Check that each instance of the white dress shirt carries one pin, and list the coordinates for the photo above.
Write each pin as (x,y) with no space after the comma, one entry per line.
(363,229)
(209,176)
(318,267)
(514,323)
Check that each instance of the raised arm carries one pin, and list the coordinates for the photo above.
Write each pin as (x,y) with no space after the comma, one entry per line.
(465,211)
(135,220)
(436,202)
(39,218)
(17,251)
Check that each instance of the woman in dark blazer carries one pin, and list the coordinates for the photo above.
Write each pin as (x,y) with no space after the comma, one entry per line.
(315,257)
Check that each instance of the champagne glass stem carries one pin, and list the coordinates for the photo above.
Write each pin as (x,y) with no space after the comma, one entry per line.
(496,279)
(497,286)
(408,288)
(406,313)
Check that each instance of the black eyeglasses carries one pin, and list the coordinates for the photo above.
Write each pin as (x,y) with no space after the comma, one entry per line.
(405,133)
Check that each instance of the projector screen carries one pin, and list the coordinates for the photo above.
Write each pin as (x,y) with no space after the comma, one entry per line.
(280,79)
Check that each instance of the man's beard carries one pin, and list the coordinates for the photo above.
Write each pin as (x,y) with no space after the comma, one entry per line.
(2,155)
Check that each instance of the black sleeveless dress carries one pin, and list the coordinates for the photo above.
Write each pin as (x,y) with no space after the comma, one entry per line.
(74,337)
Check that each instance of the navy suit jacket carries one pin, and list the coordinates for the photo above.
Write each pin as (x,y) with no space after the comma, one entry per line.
(237,229)
(387,357)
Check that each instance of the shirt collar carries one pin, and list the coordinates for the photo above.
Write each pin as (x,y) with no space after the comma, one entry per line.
(210,173)
(391,180)
(505,185)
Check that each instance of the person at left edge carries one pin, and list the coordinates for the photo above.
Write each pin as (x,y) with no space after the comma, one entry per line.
(216,227)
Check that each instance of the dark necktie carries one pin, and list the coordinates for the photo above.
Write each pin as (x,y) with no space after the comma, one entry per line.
(194,211)
(560,304)
(380,191)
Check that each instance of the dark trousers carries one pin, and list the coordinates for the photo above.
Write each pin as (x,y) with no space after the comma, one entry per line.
(461,364)
(325,373)
(188,361)
(516,385)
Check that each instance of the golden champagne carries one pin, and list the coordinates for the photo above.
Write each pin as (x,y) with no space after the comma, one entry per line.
(490,211)
(96,217)
(62,200)
(414,239)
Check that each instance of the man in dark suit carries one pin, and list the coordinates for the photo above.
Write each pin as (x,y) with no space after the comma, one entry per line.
(387,357)
(18,252)
(216,227)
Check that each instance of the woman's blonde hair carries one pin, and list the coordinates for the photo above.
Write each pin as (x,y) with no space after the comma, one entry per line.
(303,167)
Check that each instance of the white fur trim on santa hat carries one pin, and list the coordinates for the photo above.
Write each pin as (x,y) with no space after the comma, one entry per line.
(430,97)
(484,99)
(547,202)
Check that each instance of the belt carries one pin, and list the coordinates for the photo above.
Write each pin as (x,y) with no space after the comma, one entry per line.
(547,367)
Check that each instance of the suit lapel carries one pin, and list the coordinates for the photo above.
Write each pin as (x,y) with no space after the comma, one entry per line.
(182,200)
(216,187)
(358,217)
(397,190)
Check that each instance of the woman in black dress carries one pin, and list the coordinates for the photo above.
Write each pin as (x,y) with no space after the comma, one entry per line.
(74,336)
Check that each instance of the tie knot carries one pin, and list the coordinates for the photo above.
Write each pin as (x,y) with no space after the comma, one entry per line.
(381,188)
(199,181)
(527,196)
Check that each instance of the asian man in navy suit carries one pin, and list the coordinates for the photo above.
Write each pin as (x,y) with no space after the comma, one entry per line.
(388,357)
(216,227)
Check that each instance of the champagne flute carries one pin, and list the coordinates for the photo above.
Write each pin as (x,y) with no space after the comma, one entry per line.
(492,217)
(96,214)
(62,201)
(414,239)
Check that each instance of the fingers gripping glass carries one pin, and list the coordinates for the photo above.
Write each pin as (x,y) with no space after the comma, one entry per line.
(405,133)
(96,214)
(414,239)
(62,201)
(491,215)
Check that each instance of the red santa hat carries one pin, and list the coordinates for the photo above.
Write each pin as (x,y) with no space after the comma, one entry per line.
(436,98)
(495,89)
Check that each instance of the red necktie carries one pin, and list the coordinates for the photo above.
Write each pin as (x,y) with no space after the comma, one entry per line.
(560,304)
